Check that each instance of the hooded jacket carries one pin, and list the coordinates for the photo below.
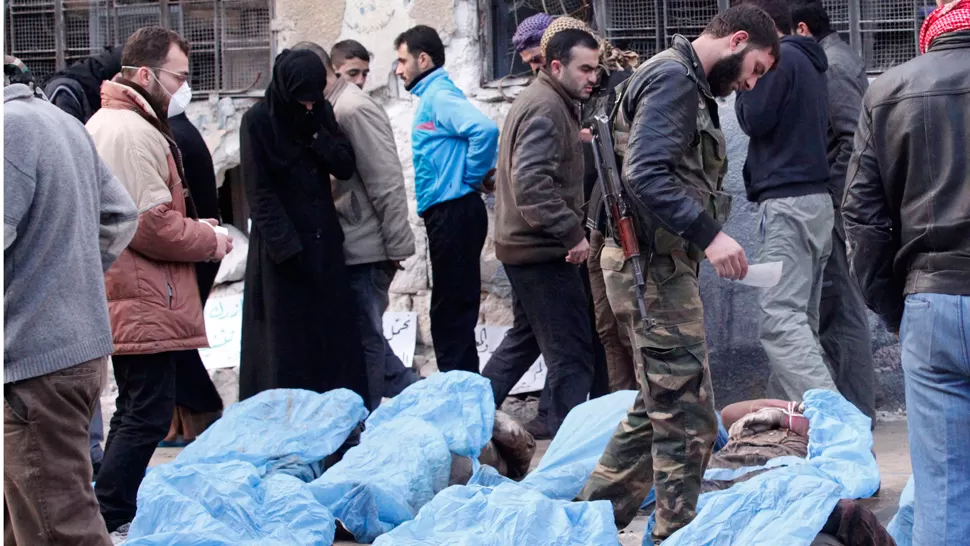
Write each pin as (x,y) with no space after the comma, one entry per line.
(77,89)
(153,296)
(787,117)
(454,144)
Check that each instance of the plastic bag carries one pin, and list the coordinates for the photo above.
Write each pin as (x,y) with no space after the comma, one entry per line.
(397,468)
(459,404)
(504,514)
(901,526)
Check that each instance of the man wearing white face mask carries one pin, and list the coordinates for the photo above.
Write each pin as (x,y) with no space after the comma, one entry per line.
(153,296)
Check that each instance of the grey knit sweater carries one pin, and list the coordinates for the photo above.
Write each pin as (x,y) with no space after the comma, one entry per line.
(65,220)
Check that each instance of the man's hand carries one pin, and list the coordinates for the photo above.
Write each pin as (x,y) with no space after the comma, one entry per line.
(223,246)
(586,135)
(727,257)
(579,253)
(488,183)
(397,265)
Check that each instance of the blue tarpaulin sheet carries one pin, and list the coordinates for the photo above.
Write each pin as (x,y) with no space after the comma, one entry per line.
(495,511)
(901,526)
(243,480)
(404,456)
(799,492)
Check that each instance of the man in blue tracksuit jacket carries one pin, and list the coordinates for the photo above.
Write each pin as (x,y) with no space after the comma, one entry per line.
(455,148)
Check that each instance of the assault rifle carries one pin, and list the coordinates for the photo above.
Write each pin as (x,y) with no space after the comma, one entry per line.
(618,208)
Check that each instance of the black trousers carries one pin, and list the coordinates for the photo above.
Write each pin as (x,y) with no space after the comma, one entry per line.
(550,317)
(456,235)
(844,331)
(146,402)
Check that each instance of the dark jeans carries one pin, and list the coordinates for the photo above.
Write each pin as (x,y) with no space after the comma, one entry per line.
(551,317)
(145,404)
(386,374)
(844,332)
(456,235)
(96,434)
(46,466)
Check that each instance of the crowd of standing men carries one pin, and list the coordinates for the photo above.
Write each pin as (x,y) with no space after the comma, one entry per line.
(857,199)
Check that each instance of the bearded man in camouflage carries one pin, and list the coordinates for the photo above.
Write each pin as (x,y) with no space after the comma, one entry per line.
(668,134)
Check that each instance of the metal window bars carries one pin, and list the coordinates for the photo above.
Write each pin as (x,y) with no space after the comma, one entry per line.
(230,39)
(884,32)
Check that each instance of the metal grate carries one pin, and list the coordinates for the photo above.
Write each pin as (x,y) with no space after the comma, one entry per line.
(888,30)
(838,11)
(632,24)
(230,39)
(687,17)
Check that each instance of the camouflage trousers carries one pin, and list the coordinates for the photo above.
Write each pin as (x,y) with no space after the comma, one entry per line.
(667,436)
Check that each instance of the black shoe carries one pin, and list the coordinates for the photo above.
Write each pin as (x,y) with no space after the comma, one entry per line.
(538,429)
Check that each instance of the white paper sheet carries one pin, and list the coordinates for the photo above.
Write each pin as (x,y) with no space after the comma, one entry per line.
(763,275)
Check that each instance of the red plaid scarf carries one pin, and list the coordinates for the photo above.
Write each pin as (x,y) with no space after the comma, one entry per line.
(949,18)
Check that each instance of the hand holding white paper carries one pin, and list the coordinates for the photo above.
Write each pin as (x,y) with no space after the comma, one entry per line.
(763,275)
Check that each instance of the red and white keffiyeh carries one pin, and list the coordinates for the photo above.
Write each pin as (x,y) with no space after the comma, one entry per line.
(952,17)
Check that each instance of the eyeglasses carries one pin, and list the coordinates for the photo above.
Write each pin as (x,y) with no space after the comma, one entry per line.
(181,77)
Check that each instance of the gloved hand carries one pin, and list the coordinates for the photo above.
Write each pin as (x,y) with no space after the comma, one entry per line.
(759,421)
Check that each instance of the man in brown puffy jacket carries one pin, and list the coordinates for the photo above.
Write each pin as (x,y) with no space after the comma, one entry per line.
(153,297)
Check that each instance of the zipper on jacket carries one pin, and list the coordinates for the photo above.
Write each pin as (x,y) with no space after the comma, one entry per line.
(169,285)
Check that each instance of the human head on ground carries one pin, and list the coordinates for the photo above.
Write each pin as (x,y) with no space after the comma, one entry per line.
(573,60)
(325,58)
(157,60)
(738,47)
(527,39)
(419,51)
(810,19)
(351,61)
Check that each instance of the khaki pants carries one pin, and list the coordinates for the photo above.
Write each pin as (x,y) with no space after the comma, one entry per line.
(48,499)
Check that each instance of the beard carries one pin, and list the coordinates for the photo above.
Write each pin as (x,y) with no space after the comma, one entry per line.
(725,73)
(161,97)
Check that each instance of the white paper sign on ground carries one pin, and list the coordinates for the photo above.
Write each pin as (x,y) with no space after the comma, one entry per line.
(223,322)
(223,325)
(489,338)
(401,331)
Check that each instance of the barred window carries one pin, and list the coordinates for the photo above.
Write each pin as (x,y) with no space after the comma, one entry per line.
(884,32)
(504,16)
(230,39)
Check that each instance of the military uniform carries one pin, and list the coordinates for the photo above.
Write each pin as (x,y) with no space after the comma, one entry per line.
(666,128)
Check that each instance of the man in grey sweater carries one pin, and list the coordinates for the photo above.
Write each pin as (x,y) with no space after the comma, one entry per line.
(843,322)
(65,220)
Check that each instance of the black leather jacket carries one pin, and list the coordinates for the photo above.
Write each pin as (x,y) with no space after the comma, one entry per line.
(907,198)
(664,159)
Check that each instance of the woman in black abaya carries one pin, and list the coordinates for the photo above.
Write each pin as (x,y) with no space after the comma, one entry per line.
(299,328)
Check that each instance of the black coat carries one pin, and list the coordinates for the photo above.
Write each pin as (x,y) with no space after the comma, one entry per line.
(299,325)
(193,388)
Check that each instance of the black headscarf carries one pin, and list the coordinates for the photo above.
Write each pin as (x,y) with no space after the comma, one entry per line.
(92,71)
(298,75)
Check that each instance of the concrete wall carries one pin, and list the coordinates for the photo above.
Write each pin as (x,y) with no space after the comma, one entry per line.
(738,363)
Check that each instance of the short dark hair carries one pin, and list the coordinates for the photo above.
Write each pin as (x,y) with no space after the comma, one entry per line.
(149,46)
(318,51)
(423,39)
(778,10)
(813,14)
(762,32)
(349,49)
(560,46)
